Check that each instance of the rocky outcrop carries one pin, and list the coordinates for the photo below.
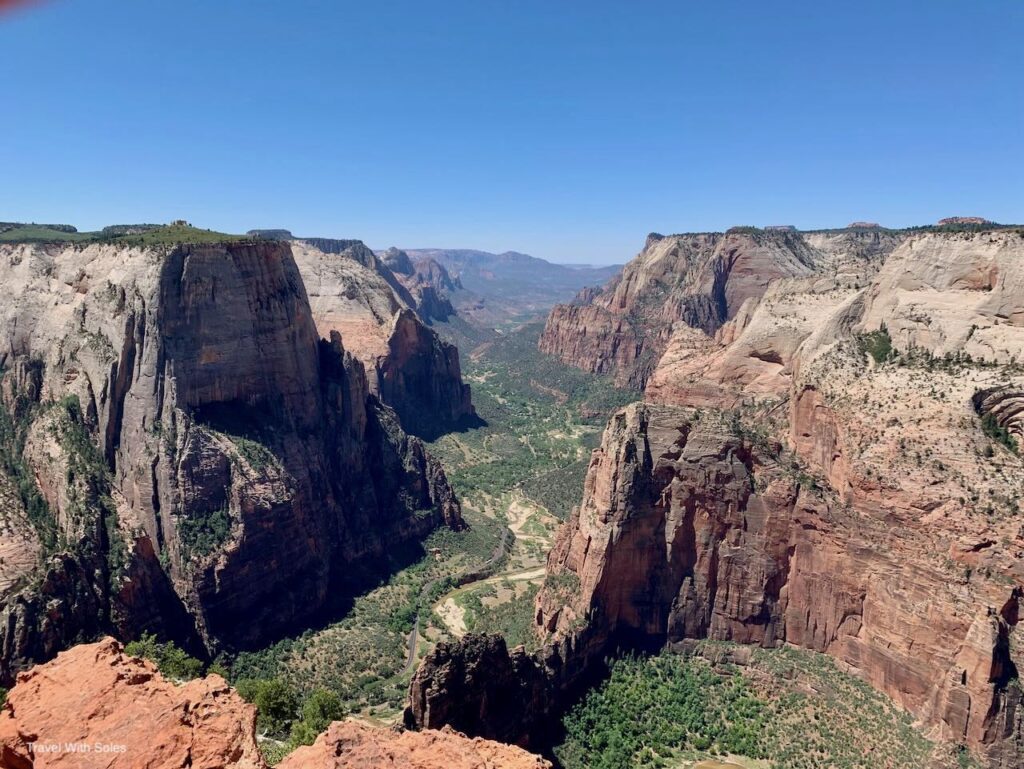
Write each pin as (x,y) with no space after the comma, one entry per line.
(94,706)
(354,292)
(220,474)
(352,745)
(478,687)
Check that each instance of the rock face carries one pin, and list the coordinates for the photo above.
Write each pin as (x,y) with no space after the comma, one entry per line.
(700,281)
(121,713)
(476,686)
(427,280)
(350,745)
(836,468)
(207,466)
(354,292)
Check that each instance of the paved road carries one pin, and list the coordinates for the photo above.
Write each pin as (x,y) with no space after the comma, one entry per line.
(414,636)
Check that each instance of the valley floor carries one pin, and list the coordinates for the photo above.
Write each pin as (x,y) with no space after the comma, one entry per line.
(517,478)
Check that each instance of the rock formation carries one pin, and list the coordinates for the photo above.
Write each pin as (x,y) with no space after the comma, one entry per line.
(94,706)
(428,282)
(963,220)
(836,467)
(698,280)
(198,461)
(354,292)
(352,745)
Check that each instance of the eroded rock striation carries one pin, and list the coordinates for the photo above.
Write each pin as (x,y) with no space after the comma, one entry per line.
(197,460)
(836,467)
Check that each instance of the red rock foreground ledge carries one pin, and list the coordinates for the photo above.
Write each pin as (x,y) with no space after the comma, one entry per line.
(351,745)
(94,707)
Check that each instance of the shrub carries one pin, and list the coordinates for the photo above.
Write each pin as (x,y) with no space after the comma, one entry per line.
(169,659)
(275,701)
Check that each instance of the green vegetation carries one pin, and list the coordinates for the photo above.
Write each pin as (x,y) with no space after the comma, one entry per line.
(134,235)
(169,659)
(41,233)
(3,696)
(513,619)
(795,708)
(543,418)
(362,657)
(997,432)
(203,533)
(878,344)
(174,234)
(14,424)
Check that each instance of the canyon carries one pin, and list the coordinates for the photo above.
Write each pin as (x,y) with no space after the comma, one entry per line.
(826,457)
(219,443)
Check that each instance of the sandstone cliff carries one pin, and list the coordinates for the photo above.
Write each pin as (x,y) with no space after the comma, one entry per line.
(700,281)
(123,714)
(427,280)
(353,291)
(834,467)
(207,466)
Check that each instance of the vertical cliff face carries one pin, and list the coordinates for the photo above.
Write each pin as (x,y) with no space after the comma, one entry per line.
(836,468)
(219,471)
(702,282)
(409,367)
(427,280)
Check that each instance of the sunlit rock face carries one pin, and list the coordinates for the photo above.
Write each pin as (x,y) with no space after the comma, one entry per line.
(213,468)
(833,465)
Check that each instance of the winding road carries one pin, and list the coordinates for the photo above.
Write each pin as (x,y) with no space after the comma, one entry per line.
(490,563)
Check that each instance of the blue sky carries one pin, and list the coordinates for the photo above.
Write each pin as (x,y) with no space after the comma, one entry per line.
(565,129)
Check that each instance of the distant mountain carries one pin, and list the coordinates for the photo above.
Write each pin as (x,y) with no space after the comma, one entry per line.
(498,289)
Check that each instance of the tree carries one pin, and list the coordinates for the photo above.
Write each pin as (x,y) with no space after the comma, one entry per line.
(168,658)
(321,709)
(275,703)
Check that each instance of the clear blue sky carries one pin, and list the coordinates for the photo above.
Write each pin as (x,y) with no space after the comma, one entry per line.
(563,128)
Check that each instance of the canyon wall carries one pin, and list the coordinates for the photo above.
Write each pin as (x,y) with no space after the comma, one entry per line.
(353,291)
(697,281)
(832,467)
(199,461)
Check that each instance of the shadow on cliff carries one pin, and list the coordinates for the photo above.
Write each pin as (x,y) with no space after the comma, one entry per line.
(344,590)
(465,424)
